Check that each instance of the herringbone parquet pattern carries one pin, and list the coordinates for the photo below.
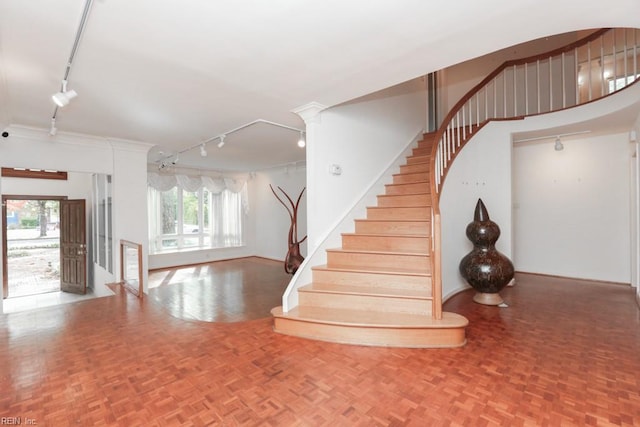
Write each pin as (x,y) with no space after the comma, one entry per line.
(563,353)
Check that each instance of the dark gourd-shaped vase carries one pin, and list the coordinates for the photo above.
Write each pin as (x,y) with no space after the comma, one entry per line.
(487,270)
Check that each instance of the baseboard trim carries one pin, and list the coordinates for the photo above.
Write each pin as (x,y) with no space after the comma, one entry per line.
(604,282)
(212,262)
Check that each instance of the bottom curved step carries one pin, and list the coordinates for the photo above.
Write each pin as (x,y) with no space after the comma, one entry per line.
(372,328)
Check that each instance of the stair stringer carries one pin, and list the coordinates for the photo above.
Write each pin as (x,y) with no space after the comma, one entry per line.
(333,237)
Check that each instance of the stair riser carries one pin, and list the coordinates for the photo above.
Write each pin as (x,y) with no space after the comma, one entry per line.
(404,200)
(343,259)
(417,213)
(365,302)
(412,160)
(354,278)
(426,143)
(386,243)
(411,188)
(388,337)
(421,151)
(420,167)
(409,178)
(394,227)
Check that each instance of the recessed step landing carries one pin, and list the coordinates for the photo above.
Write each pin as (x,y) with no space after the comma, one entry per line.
(371,328)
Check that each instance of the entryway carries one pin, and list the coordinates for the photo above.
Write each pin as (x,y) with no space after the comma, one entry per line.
(33,246)
(44,245)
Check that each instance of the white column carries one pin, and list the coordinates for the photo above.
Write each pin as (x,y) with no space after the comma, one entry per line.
(310,113)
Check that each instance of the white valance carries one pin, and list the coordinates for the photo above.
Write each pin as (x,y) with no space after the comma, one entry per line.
(165,182)
(192,183)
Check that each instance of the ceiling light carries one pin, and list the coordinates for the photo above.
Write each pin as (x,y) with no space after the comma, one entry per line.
(221,143)
(203,150)
(302,142)
(558,145)
(63,97)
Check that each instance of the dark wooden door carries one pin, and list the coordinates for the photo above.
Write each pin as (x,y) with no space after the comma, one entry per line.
(73,247)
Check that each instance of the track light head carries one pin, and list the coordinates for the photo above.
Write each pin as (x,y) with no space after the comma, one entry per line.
(302,141)
(221,143)
(63,97)
(203,150)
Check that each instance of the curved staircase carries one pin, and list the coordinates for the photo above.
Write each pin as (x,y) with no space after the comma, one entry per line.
(377,288)
(384,286)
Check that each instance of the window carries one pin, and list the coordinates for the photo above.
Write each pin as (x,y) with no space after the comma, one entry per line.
(102,229)
(180,219)
(620,82)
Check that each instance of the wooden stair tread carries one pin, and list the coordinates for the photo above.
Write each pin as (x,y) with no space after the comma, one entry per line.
(417,236)
(369,252)
(378,291)
(375,270)
(396,220)
(371,319)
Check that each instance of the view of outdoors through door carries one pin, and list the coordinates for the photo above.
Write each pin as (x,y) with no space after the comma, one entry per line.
(33,246)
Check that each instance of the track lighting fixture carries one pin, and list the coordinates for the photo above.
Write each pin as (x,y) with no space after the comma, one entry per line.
(203,150)
(558,145)
(63,97)
(221,143)
(302,141)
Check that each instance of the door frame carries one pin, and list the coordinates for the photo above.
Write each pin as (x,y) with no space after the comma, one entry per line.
(5,197)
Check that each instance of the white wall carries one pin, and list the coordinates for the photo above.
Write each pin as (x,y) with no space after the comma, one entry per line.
(34,148)
(272,220)
(634,148)
(361,137)
(572,208)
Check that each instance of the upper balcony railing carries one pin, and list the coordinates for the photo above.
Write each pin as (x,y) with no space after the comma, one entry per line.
(591,68)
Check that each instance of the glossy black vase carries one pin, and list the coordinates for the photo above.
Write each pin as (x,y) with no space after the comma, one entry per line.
(484,268)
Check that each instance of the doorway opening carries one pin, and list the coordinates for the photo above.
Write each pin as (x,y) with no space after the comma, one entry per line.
(32,252)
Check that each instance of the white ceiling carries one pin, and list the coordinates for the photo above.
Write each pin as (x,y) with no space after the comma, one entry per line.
(175,73)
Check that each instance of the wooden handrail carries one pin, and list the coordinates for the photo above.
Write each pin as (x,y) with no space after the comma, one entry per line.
(477,88)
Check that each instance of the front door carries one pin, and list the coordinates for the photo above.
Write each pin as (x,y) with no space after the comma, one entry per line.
(73,247)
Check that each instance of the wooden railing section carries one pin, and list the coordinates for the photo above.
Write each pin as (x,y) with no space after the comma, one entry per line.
(591,68)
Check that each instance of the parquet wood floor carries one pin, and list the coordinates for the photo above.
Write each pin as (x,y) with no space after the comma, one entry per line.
(563,353)
(221,291)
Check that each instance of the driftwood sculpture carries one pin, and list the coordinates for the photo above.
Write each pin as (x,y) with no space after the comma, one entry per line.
(293,259)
